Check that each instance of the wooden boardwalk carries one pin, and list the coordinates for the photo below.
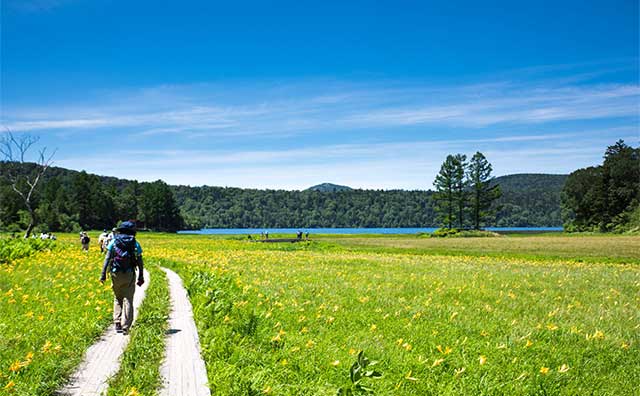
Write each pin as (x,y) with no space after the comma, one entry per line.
(183,371)
(102,359)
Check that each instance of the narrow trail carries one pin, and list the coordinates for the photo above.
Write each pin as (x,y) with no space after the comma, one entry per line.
(183,371)
(102,359)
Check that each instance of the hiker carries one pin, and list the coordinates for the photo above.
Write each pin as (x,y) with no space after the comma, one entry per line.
(299,235)
(84,241)
(124,255)
(102,240)
(109,238)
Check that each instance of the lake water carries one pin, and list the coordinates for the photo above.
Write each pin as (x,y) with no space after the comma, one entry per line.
(244,231)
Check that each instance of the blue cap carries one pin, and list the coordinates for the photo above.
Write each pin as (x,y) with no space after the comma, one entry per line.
(127,226)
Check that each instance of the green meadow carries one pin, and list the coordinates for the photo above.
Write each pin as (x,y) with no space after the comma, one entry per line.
(513,315)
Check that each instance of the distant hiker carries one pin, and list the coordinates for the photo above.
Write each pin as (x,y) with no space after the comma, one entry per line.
(306,236)
(102,240)
(109,238)
(84,241)
(266,235)
(299,235)
(124,255)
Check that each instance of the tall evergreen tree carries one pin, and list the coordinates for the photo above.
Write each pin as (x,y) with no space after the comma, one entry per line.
(460,191)
(445,185)
(621,172)
(483,192)
(603,197)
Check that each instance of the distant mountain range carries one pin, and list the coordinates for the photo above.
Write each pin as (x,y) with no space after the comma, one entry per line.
(329,187)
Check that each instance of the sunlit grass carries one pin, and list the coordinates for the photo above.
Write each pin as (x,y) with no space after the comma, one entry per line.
(289,319)
(52,307)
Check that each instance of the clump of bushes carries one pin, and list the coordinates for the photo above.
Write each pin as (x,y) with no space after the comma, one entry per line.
(458,233)
(15,248)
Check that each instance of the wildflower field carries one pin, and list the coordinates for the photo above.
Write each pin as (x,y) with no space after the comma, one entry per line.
(290,319)
(51,310)
(456,317)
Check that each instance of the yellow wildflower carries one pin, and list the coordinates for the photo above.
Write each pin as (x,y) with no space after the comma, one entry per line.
(544,370)
(9,385)
(409,377)
(133,392)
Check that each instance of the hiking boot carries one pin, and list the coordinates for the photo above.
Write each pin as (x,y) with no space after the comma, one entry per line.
(118,328)
(125,331)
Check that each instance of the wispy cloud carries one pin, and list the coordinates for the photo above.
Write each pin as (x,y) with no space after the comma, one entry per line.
(210,111)
(390,165)
(373,134)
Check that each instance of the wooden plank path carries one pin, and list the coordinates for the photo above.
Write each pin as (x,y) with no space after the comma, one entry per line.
(183,371)
(102,359)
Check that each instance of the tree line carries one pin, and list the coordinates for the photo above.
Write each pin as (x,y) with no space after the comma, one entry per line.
(71,201)
(605,197)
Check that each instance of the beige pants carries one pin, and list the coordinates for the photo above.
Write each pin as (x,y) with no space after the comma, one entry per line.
(124,286)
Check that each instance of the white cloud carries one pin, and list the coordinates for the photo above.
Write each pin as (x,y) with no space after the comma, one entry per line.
(191,111)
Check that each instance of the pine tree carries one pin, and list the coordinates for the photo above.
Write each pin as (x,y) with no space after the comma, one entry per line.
(445,187)
(483,192)
(460,190)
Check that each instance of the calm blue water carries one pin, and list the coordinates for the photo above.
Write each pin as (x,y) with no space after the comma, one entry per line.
(244,231)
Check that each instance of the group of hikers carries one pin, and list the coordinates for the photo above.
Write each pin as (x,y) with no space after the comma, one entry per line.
(123,255)
(103,240)
(264,236)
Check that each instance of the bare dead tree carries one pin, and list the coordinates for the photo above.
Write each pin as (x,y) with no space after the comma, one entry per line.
(13,150)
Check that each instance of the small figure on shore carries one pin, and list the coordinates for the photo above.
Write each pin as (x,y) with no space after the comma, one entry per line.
(249,237)
(124,255)
(266,235)
(299,235)
(84,241)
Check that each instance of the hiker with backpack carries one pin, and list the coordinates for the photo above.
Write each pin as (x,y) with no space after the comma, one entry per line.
(84,241)
(124,255)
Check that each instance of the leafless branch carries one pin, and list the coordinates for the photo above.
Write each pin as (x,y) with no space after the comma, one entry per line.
(14,150)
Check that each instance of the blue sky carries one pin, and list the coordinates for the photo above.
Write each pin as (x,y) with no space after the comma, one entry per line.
(291,94)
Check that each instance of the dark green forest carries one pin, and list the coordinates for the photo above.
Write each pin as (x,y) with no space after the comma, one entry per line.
(68,200)
(605,197)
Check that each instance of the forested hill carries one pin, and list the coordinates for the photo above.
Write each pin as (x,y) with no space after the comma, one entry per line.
(69,199)
(528,200)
